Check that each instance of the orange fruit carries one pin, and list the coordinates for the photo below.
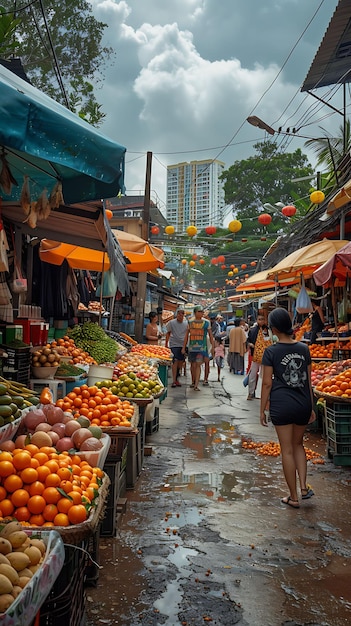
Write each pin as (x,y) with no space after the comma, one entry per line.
(36,520)
(31,448)
(64,473)
(64,504)
(29,475)
(75,497)
(77,514)
(20,497)
(12,482)
(66,485)
(61,519)
(52,465)
(36,504)
(6,468)
(41,457)
(43,471)
(6,507)
(50,511)
(52,480)
(36,488)
(22,460)
(22,514)
(51,495)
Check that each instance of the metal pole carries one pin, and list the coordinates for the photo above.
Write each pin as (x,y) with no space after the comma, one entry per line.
(142,276)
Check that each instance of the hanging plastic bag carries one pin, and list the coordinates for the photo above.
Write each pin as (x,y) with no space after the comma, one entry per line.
(109,285)
(303,301)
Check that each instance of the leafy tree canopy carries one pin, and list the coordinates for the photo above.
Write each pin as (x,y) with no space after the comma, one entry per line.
(59,42)
(266,178)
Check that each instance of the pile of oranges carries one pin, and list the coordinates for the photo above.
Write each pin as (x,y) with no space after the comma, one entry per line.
(154,352)
(272,448)
(67,348)
(40,487)
(318,351)
(100,406)
(338,386)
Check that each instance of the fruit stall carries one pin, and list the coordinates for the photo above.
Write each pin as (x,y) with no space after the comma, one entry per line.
(72,438)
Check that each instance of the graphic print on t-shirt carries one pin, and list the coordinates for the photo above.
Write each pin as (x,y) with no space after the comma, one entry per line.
(294,373)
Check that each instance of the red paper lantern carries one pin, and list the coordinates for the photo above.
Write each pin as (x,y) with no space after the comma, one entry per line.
(263,238)
(223,267)
(264,219)
(289,210)
(214,261)
(221,258)
(244,240)
(155,230)
(202,261)
(210,230)
(194,257)
(109,214)
(244,266)
(253,263)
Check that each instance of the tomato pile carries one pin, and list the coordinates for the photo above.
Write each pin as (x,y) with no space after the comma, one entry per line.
(40,487)
(100,405)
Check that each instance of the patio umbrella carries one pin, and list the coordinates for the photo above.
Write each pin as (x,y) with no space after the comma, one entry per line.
(145,258)
(142,255)
(305,260)
(338,267)
(43,140)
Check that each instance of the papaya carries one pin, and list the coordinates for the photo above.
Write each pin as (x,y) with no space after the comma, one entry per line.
(3,389)
(33,400)
(18,401)
(5,410)
(5,399)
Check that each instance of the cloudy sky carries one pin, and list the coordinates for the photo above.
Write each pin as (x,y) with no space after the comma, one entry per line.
(188,73)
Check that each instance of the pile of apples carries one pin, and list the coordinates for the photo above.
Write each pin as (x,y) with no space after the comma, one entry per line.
(136,363)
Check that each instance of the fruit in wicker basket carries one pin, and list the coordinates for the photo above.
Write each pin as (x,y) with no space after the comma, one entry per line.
(99,406)
(338,386)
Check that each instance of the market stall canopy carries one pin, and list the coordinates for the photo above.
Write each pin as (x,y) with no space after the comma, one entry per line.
(306,260)
(263,280)
(340,199)
(339,267)
(45,141)
(141,255)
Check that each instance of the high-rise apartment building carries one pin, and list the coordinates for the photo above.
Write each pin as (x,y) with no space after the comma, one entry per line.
(195,194)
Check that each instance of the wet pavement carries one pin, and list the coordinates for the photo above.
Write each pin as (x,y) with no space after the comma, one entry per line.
(205,537)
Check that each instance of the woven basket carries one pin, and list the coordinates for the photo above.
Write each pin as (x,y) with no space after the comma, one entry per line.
(329,396)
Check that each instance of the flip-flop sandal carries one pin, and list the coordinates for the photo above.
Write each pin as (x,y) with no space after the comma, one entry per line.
(289,501)
(174,385)
(196,389)
(205,383)
(307,493)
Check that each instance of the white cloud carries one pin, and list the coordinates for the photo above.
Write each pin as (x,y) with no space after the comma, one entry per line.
(189,72)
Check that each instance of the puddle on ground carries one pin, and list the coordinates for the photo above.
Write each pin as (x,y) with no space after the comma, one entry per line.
(169,603)
(218,486)
(213,440)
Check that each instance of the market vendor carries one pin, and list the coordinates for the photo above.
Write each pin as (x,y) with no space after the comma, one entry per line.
(152,330)
(317,320)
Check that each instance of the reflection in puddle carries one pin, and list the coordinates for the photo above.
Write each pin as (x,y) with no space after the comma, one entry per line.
(169,603)
(221,486)
(213,440)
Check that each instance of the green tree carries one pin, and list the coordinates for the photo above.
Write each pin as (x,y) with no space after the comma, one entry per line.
(61,49)
(8,25)
(266,178)
(331,150)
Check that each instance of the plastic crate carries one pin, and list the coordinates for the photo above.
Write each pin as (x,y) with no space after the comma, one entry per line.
(340,355)
(339,444)
(153,426)
(341,409)
(338,424)
(109,523)
(65,604)
(92,569)
(118,448)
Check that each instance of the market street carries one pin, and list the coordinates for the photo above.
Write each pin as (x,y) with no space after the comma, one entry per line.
(205,537)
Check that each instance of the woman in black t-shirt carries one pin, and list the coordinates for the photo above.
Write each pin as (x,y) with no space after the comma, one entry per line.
(286,385)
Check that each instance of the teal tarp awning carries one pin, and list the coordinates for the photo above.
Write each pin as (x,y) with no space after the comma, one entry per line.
(47,142)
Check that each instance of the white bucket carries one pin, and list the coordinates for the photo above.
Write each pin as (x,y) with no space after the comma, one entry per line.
(99,372)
